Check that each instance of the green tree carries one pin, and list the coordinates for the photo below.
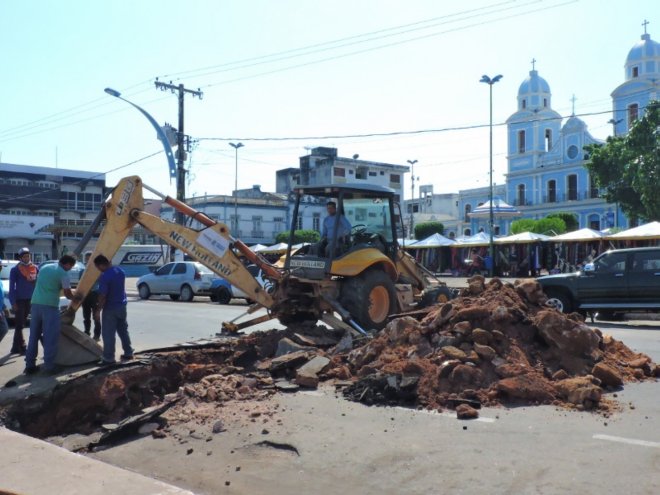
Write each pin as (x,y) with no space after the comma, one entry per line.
(546,226)
(570,220)
(298,236)
(628,167)
(523,225)
(550,226)
(425,229)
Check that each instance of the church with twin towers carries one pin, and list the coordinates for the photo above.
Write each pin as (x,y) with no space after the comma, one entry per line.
(546,170)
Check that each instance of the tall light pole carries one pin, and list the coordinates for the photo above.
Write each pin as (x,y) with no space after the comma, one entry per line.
(491,246)
(236,146)
(159,130)
(412,194)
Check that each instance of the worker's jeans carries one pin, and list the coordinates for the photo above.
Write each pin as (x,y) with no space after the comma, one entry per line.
(114,321)
(45,324)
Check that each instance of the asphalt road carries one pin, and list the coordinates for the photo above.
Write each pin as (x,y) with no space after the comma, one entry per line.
(347,447)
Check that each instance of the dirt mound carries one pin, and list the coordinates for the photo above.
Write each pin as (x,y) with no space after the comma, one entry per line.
(495,344)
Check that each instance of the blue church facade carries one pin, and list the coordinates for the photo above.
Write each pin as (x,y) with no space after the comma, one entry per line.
(546,170)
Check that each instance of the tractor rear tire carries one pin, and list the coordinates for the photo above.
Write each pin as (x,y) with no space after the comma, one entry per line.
(370,298)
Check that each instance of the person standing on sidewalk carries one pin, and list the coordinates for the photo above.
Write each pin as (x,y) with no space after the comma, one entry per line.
(112,307)
(45,322)
(22,281)
(89,308)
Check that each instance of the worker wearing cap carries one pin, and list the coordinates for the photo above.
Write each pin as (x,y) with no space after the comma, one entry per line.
(22,281)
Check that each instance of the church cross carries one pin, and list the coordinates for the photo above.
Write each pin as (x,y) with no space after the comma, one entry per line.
(573,101)
(534,62)
(645,23)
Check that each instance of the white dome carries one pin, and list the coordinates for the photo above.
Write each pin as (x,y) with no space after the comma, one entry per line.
(534,84)
(644,57)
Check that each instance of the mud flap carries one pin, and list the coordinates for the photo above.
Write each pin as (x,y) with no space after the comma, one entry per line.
(76,347)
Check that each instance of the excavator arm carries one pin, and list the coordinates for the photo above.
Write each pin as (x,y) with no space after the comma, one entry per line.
(213,246)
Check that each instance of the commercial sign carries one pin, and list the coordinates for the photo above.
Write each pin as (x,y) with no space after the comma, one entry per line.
(25,226)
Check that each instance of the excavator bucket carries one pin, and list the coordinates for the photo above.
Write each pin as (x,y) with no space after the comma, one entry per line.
(76,347)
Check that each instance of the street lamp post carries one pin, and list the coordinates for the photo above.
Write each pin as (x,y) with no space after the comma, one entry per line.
(491,247)
(236,146)
(159,130)
(412,194)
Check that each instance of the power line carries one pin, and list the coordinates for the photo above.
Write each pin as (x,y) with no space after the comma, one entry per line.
(484,11)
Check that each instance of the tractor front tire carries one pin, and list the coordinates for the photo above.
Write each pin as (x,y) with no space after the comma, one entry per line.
(370,298)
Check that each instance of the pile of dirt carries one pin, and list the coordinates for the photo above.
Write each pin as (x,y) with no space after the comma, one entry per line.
(495,344)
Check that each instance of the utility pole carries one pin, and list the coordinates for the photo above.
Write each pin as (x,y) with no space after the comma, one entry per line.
(183,141)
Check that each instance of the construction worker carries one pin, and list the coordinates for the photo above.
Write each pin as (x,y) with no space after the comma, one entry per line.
(45,320)
(112,303)
(89,308)
(22,281)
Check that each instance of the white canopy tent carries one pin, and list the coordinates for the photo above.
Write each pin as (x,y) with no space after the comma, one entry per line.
(648,231)
(523,238)
(433,241)
(579,235)
(501,209)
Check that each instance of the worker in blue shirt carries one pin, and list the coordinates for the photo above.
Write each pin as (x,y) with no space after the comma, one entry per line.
(112,309)
(328,230)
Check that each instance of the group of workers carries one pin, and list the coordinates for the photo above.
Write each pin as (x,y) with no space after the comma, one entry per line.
(36,292)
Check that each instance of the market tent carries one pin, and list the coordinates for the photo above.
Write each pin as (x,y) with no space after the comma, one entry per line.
(478,239)
(275,248)
(501,209)
(433,241)
(648,231)
(523,238)
(579,235)
(257,247)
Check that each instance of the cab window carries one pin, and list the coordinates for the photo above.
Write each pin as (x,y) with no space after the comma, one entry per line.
(373,213)
(615,262)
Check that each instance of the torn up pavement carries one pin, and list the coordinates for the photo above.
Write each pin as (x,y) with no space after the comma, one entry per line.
(496,344)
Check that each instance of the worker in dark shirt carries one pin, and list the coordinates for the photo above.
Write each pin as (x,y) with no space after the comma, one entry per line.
(112,309)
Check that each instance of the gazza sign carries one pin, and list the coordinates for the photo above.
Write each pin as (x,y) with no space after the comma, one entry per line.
(141,258)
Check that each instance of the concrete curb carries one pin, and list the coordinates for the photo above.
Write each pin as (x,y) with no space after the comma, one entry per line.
(60,471)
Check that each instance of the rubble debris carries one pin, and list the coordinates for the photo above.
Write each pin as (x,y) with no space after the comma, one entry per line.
(495,344)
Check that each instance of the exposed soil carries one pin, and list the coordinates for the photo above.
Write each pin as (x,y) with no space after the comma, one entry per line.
(496,344)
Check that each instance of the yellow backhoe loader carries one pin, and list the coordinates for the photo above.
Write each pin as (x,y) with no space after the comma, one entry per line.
(364,277)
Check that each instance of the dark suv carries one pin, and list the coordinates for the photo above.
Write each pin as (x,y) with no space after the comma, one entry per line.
(617,281)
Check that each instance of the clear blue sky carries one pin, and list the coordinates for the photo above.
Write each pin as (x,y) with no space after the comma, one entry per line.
(276,69)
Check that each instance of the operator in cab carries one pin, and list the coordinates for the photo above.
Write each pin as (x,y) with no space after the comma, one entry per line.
(328,229)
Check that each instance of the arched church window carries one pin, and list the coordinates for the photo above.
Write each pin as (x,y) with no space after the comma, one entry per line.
(545,103)
(521,141)
(548,139)
(552,191)
(635,71)
(524,104)
(633,113)
(468,210)
(521,194)
(571,186)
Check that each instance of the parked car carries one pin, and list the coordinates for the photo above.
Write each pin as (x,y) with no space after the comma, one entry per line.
(222,291)
(180,280)
(617,281)
(74,274)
